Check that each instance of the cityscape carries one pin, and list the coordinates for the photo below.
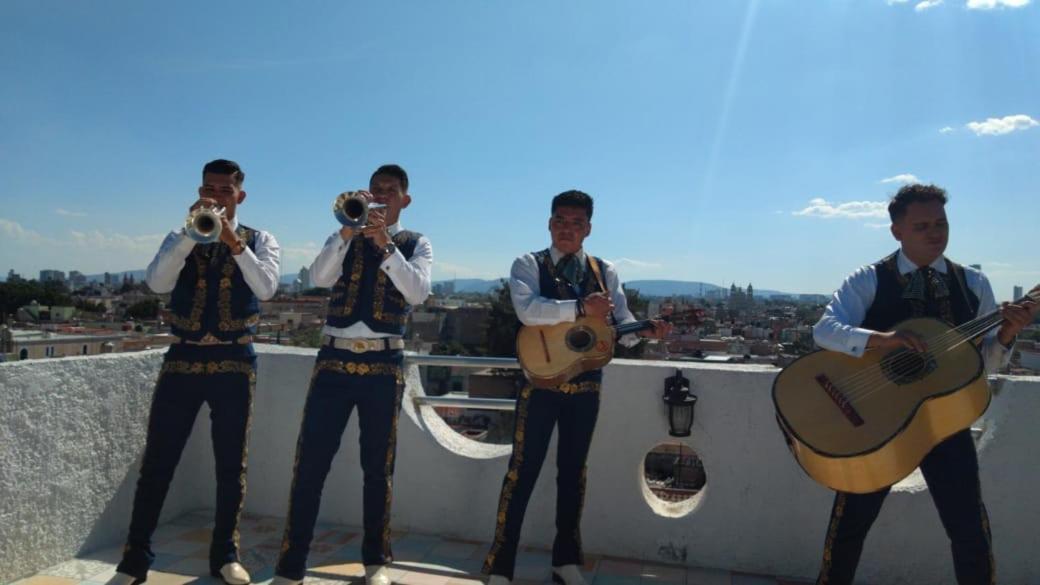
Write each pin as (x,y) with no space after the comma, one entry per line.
(63,314)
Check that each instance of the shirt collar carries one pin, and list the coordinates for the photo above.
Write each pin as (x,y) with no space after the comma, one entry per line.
(394,228)
(556,255)
(906,265)
(234,222)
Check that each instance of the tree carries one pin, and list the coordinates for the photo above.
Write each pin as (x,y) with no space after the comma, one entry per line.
(14,295)
(146,309)
(502,324)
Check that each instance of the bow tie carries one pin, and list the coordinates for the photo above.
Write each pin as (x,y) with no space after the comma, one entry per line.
(922,281)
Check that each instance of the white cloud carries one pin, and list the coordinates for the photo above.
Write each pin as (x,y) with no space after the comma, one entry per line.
(27,250)
(926,4)
(946,130)
(68,213)
(297,256)
(1005,125)
(905,178)
(851,210)
(638,264)
(97,241)
(991,4)
(12,230)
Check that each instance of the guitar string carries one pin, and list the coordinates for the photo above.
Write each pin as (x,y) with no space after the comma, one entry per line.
(942,343)
(904,356)
(859,385)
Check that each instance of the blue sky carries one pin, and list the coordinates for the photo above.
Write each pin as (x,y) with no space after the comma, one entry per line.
(723,141)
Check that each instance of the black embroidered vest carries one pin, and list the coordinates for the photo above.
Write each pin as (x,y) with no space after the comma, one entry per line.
(555,288)
(365,293)
(211,298)
(889,307)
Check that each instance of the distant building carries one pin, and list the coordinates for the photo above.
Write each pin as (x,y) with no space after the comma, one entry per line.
(34,311)
(304,277)
(27,345)
(52,275)
(109,279)
(77,280)
(13,276)
(1014,297)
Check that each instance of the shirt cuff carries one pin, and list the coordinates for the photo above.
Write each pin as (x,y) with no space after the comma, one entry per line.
(393,262)
(857,341)
(246,258)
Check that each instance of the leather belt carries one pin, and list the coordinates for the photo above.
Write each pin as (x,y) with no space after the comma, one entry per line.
(210,340)
(363,344)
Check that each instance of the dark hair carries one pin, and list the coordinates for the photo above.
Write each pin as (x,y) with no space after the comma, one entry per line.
(573,198)
(916,193)
(225,167)
(394,171)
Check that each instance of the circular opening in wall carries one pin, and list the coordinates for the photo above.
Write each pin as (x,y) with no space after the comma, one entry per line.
(673,479)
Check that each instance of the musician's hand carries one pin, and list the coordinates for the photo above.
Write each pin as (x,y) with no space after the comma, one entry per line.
(347,233)
(376,228)
(228,235)
(1016,318)
(660,330)
(896,340)
(597,305)
(202,202)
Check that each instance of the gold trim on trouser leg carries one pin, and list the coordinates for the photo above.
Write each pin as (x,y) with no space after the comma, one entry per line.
(989,535)
(296,465)
(511,476)
(832,531)
(391,448)
(235,535)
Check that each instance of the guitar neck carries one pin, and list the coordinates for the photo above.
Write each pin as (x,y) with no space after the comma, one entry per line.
(984,324)
(635,327)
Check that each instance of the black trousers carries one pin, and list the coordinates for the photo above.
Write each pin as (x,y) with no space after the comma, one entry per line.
(343,380)
(951,470)
(224,378)
(538,411)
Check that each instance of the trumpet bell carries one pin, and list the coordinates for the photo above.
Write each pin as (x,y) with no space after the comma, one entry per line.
(203,224)
(351,209)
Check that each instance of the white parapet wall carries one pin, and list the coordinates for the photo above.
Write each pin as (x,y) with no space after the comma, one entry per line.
(72,432)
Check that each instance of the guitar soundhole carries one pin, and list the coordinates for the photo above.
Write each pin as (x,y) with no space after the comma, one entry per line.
(580,339)
(906,367)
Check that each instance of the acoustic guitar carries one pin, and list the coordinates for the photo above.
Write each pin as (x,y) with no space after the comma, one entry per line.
(552,354)
(862,424)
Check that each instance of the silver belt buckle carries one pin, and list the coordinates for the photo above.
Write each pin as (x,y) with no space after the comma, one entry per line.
(359,346)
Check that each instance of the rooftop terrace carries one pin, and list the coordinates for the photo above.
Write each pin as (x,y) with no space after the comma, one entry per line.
(72,433)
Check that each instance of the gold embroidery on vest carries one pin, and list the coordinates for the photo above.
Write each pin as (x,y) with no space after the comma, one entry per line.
(356,270)
(208,368)
(194,320)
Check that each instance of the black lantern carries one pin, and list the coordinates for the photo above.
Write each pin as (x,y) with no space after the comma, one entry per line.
(680,404)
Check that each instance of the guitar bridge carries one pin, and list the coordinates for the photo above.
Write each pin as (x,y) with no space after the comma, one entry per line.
(840,400)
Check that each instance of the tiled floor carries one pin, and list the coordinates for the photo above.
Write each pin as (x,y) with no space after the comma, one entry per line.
(182,545)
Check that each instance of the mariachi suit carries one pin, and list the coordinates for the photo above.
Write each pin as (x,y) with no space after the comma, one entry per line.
(364,298)
(571,407)
(902,291)
(214,312)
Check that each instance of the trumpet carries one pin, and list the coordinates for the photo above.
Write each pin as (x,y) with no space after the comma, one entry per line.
(351,209)
(203,224)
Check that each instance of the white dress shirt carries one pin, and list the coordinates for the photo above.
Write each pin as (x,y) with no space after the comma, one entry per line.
(534,309)
(260,269)
(411,277)
(839,330)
